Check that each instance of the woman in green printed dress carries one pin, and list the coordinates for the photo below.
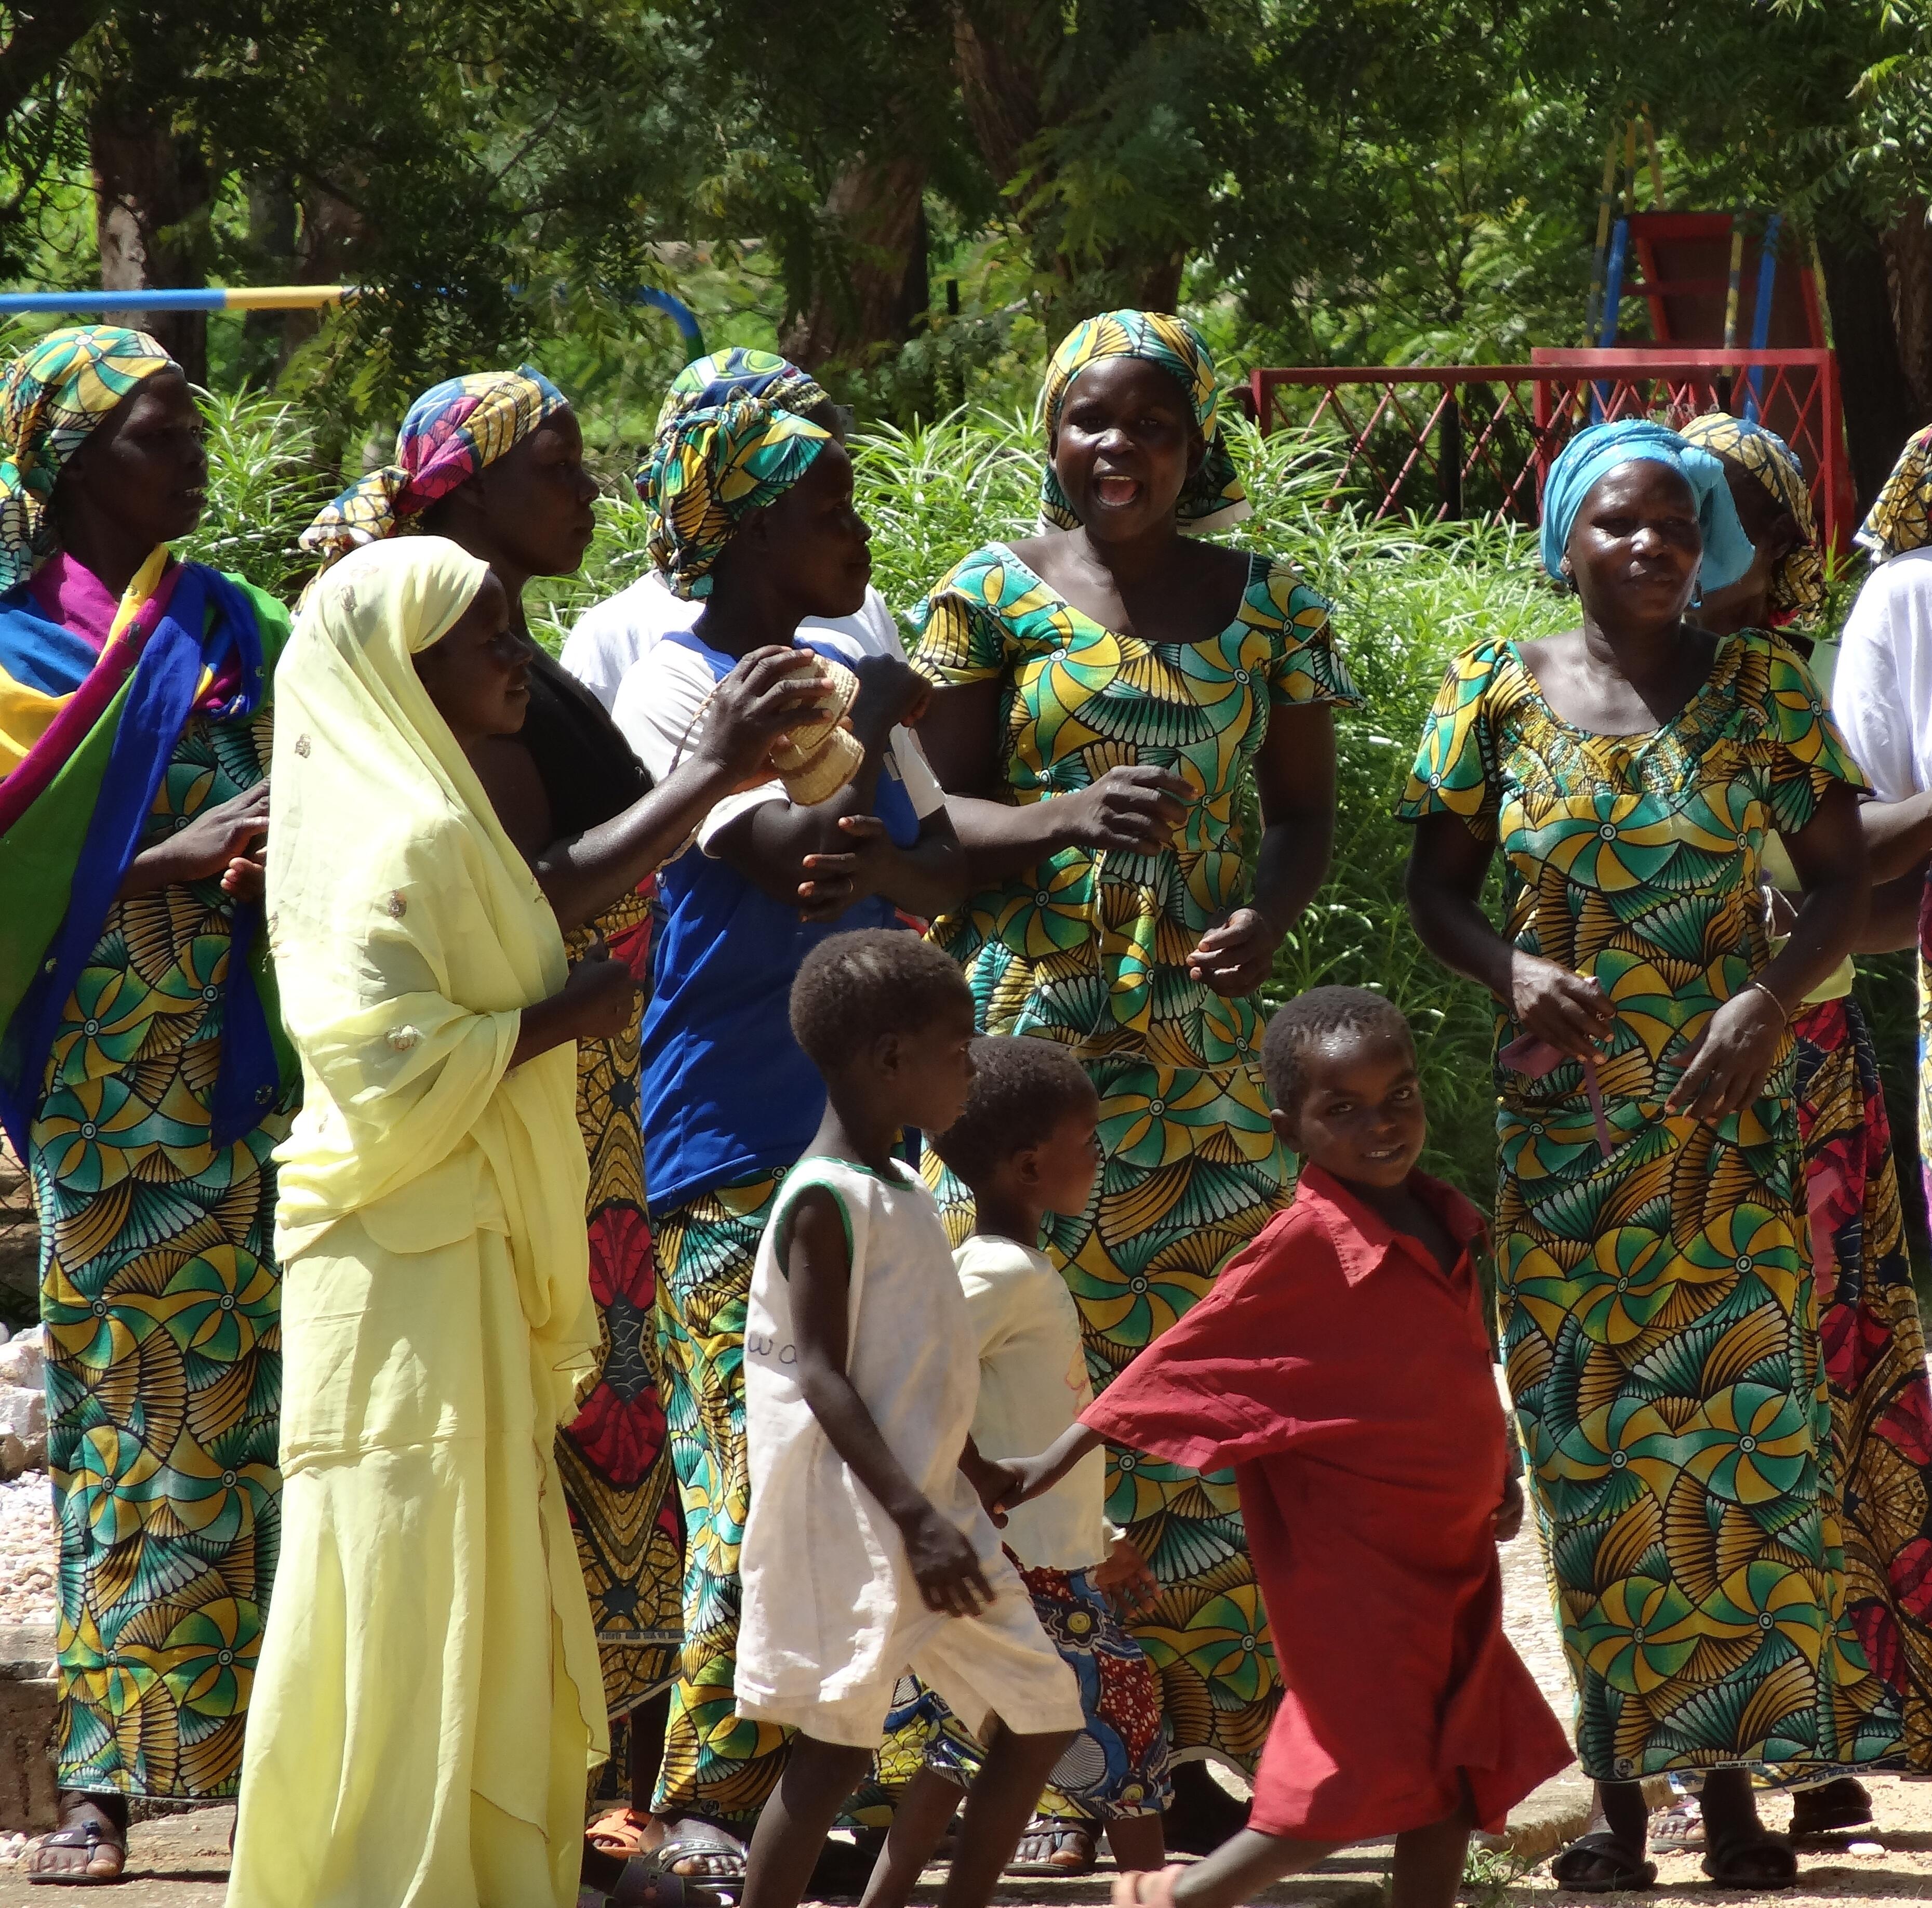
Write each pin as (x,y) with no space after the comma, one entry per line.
(1658,1313)
(139,1075)
(1106,691)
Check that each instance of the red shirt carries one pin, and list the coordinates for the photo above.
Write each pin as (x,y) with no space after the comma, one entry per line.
(1346,1378)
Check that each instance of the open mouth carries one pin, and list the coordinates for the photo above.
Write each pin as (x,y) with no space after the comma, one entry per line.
(1116,492)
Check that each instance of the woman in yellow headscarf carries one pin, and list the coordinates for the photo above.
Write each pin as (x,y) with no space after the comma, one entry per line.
(429,1697)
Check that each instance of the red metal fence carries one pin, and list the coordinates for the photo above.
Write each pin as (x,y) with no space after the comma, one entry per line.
(1477,440)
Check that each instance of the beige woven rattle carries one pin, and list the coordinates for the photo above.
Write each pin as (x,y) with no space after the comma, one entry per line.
(818,757)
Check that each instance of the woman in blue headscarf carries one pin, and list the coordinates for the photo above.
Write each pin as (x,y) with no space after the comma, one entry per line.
(1655,1289)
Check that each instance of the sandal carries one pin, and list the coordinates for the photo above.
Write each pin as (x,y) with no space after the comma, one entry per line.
(1062,1840)
(623,1832)
(1842,1803)
(89,1826)
(1759,1862)
(696,1839)
(647,1882)
(1679,1829)
(1145,1887)
(1614,1853)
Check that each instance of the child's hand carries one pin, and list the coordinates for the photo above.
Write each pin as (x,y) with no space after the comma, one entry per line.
(944,1565)
(1129,1585)
(1028,1478)
(1508,1518)
(994,1482)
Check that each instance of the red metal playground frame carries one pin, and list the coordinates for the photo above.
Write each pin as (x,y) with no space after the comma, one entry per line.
(1462,440)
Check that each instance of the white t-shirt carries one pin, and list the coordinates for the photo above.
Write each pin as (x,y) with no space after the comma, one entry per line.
(611,636)
(1032,1384)
(657,707)
(1881,691)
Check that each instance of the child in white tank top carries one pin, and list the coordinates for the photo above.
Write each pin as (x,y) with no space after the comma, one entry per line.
(866,1550)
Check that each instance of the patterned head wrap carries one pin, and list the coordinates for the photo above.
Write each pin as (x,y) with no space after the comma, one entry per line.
(735,372)
(1213,497)
(707,470)
(1593,454)
(1901,519)
(1798,584)
(451,432)
(53,397)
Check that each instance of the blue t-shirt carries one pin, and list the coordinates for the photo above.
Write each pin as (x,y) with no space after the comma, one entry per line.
(726,1090)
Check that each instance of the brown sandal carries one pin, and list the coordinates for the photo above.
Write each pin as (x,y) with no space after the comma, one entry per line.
(622,1833)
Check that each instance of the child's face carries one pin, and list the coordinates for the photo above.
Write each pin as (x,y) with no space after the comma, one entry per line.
(1361,1115)
(1066,1163)
(932,1071)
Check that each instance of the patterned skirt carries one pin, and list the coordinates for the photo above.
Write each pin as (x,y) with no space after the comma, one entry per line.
(1192,1173)
(1660,1329)
(1117,1767)
(714,1765)
(614,1458)
(1874,1358)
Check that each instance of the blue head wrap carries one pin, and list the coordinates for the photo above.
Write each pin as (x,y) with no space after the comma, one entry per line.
(1593,454)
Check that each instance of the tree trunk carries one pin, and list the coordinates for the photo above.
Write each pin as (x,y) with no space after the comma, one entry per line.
(152,194)
(1880,412)
(877,212)
(272,254)
(1906,245)
(331,230)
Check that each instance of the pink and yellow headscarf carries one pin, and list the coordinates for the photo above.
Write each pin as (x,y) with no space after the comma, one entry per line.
(451,432)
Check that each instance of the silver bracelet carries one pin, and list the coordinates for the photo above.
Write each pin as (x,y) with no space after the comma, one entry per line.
(1784,1012)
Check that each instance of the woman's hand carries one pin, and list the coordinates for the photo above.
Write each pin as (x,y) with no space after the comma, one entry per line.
(1126,1577)
(1730,1060)
(891,695)
(752,709)
(1507,1519)
(1235,958)
(836,882)
(1564,1008)
(944,1564)
(226,840)
(1133,809)
(600,993)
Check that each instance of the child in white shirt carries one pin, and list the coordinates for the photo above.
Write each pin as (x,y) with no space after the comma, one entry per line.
(1027,1146)
(866,1550)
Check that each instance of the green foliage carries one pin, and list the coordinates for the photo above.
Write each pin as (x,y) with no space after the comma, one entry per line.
(264,487)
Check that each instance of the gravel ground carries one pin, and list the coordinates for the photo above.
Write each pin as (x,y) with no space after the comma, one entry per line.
(27,1550)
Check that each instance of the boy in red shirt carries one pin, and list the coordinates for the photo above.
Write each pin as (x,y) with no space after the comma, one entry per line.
(1341,1367)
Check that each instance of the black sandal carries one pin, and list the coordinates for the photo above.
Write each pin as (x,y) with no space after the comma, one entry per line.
(1626,1875)
(1842,1803)
(89,1826)
(1729,1864)
(696,1839)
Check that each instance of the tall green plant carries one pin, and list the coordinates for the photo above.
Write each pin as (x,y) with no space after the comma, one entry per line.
(264,486)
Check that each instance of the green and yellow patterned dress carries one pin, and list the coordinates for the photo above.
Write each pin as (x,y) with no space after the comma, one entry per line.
(162,1306)
(1091,950)
(1657,1311)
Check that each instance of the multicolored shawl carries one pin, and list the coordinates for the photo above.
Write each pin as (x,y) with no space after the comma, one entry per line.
(1213,497)
(1798,584)
(707,469)
(73,808)
(53,396)
(1901,519)
(452,431)
(736,372)
(1593,454)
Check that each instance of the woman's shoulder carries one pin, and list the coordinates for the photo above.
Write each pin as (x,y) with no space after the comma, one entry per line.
(992,578)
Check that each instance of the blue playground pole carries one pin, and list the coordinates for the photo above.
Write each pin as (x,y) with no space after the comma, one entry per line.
(1767,283)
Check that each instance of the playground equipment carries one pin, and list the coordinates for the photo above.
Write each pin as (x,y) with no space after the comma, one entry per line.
(289,298)
(1457,441)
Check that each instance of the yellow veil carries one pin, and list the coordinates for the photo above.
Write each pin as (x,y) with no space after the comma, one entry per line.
(409,934)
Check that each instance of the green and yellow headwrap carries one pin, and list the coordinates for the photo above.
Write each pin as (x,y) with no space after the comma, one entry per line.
(1798,584)
(1901,519)
(738,372)
(708,470)
(52,397)
(1213,497)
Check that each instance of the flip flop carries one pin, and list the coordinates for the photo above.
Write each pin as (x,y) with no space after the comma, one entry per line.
(1074,1837)
(647,1882)
(1626,1877)
(621,1833)
(1730,1866)
(1679,1829)
(94,1829)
